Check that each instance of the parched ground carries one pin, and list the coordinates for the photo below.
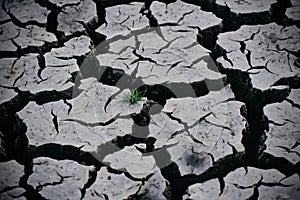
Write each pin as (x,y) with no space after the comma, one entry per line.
(219,117)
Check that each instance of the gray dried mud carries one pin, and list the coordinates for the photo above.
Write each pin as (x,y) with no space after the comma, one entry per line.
(220,113)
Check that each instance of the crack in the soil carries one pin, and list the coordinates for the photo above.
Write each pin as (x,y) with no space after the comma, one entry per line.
(13,129)
(187,127)
(61,180)
(91,180)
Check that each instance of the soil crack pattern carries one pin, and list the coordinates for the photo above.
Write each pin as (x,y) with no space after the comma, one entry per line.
(165,99)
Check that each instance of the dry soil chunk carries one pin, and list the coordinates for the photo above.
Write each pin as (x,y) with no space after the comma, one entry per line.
(58,180)
(122,19)
(246,6)
(69,20)
(27,10)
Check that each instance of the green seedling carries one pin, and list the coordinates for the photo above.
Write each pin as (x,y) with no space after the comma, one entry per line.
(134,96)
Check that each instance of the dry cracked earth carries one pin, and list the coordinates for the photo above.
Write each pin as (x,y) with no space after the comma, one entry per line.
(219,118)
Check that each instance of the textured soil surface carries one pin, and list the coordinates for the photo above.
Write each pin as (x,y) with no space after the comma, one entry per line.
(219,111)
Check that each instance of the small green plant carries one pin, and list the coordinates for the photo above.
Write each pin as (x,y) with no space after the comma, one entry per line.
(134,96)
